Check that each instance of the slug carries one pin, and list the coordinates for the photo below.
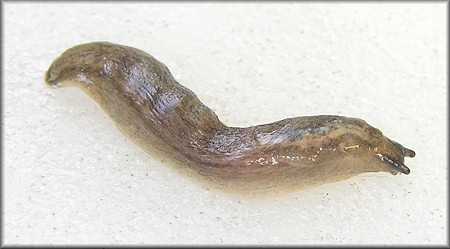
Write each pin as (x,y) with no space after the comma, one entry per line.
(169,122)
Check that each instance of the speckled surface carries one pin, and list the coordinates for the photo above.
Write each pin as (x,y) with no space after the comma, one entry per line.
(69,176)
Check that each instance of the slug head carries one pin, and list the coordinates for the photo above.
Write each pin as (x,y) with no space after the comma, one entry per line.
(362,140)
(392,156)
(347,144)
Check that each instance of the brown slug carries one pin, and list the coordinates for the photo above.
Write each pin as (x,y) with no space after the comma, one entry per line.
(169,122)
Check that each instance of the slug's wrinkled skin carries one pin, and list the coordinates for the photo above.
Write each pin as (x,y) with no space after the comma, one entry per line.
(170,123)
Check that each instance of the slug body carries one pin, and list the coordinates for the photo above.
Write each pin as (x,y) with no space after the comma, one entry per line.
(170,123)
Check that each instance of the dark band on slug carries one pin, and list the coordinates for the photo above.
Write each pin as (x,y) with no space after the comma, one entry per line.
(170,123)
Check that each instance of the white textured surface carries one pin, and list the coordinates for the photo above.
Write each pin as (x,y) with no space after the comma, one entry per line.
(70,177)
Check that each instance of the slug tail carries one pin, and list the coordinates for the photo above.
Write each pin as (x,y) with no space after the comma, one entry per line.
(51,78)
